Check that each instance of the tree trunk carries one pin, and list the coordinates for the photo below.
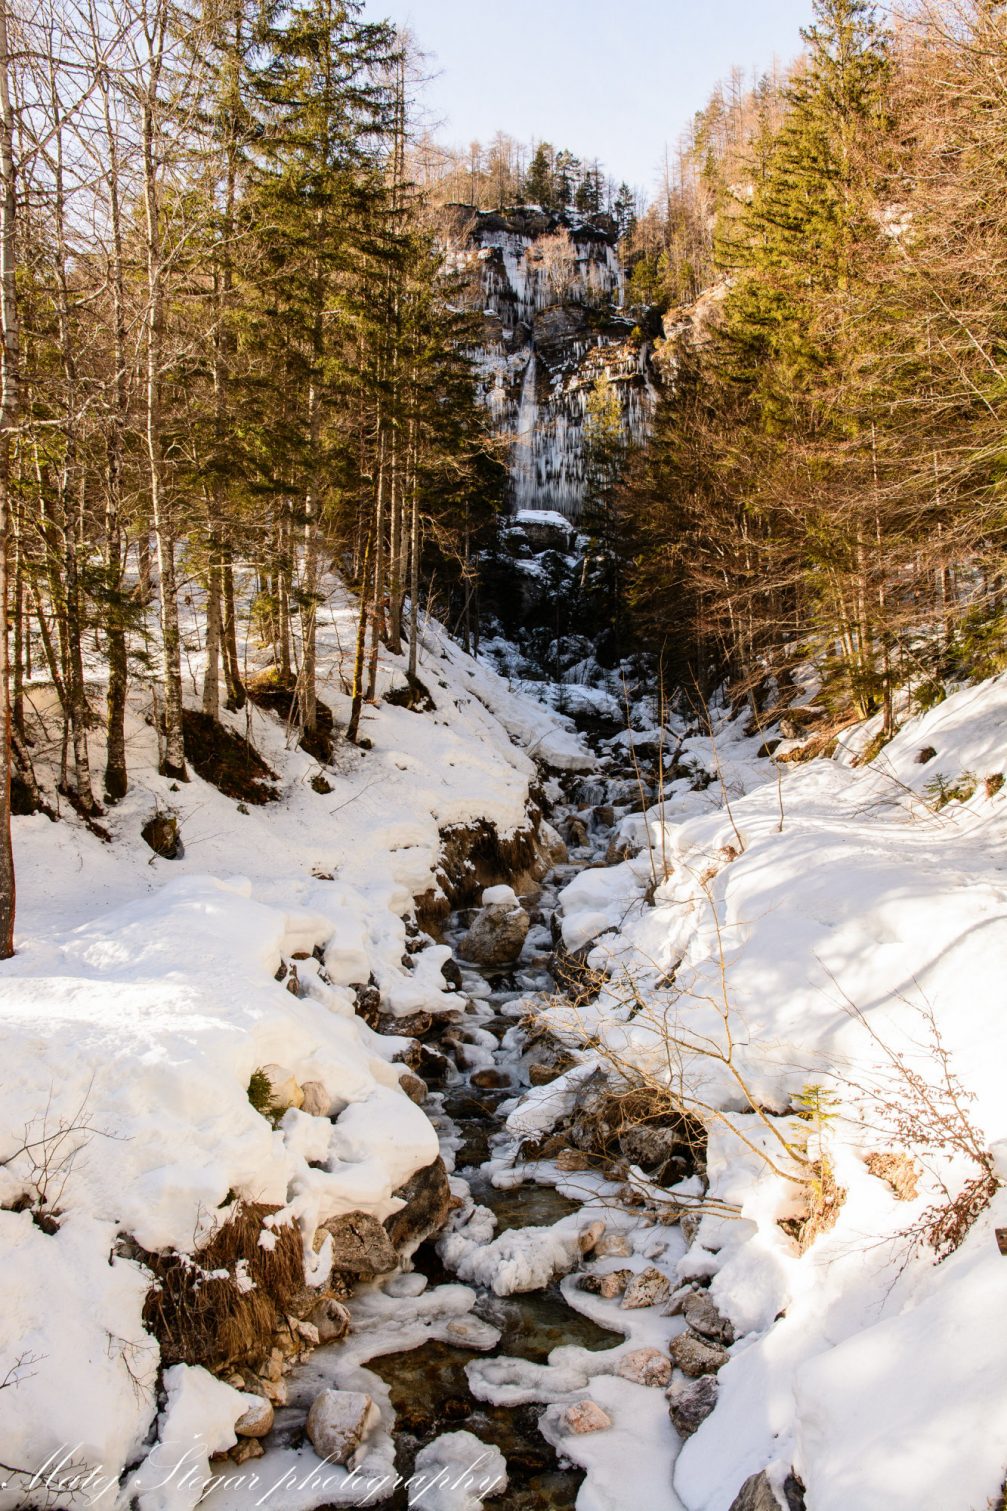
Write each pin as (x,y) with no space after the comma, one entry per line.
(8,418)
(173,763)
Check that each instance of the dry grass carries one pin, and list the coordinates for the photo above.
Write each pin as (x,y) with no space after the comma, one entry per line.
(201,1307)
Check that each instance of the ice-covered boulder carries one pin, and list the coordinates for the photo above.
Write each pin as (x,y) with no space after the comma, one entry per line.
(456,1472)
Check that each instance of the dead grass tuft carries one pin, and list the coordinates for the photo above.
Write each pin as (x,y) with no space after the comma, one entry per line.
(221,1306)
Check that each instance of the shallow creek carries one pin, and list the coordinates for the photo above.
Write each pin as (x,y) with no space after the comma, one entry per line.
(428,1385)
(418,1368)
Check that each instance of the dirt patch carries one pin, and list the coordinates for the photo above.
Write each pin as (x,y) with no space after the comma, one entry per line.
(413,696)
(270,689)
(473,857)
(224,759)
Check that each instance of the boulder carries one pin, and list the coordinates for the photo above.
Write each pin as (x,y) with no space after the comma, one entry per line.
(161,834)
(648,1288)
(695,1356)
(690,1403)
(645,1366)
(606,1286)
(284,1091)
(613,1246)
(427,1197)
(360,1245)
(257,1418)
(414,1088)
(700,1312)
(339,1421)
(316,1099)
(331,1319)
(497,934)
(586,1416)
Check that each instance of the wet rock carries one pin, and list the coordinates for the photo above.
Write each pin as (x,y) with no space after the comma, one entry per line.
(316,1101)
(414,1088)
(696,1356)
(427,1197)
(360,1245)
(700,1312)
(367,1003)
(618,851)
(604,815)
(586,1416)
(555,849)
(607,1286)
(490,1080)
(645,1366)
(497,934)
(613,1246)
(452,973)
(257,1419)
(648,1288)
(161,834)
(756,1494)
(339,1421)
(576,832)
(284,1091)
(415,1026)
(331,1320)
(690,1403)
(587,1238)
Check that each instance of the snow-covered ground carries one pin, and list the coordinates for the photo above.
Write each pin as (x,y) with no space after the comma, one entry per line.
(838,928)
(143,995)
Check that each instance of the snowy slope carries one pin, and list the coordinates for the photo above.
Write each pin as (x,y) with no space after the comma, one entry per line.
(807,937)
(143,996)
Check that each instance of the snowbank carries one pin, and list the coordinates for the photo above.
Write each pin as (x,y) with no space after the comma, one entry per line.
(144,995)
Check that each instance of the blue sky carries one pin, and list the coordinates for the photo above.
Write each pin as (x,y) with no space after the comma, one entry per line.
(612,79)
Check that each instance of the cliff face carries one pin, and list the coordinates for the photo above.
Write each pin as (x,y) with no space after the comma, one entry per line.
(550,289)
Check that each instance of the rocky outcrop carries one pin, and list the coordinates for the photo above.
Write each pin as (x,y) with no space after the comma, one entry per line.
(427,1197)
(549,289)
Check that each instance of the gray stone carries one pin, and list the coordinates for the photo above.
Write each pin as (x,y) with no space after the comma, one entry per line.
(648,1288)
(360,1245)
(696,1356)
(339,1421)
(257,1418)
(331,1319)
(756,1494)
(700,1312)
(496,935)
(690,1403)
(645,1366)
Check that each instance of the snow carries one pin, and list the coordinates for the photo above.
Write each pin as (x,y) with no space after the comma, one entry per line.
(825,920)
(144,994)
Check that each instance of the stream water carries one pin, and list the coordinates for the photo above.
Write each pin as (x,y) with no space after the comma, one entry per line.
(428,1385)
